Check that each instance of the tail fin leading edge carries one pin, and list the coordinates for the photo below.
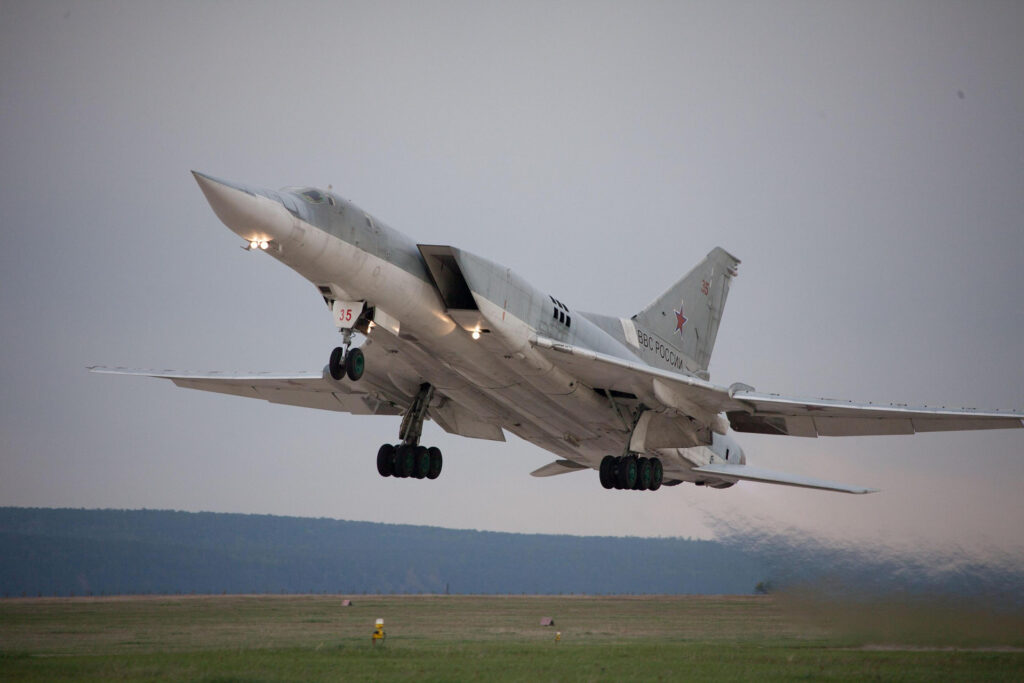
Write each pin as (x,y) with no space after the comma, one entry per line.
(685,318)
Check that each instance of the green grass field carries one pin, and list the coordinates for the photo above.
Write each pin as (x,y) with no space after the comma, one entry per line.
(312,638)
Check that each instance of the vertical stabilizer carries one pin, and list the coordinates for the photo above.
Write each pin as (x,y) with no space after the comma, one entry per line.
(678,330)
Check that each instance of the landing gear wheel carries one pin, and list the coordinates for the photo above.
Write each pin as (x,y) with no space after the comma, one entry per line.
(627,472)
(607,472)
(422,463)
(657,474)
(336,366)
(643,474)
(386,460)
(355,364)
(405,460)
(435,463)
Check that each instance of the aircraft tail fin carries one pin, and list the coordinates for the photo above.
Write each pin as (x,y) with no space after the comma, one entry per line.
(685,318)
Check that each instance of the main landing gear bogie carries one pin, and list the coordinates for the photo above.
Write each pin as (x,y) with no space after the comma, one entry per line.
(630,472)
(408,458)
(405,460)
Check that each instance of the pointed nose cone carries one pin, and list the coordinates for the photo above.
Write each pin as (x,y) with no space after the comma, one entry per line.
(245,210)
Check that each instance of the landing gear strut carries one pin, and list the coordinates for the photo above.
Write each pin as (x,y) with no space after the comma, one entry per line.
(346,360)
(408,458)
(629,472)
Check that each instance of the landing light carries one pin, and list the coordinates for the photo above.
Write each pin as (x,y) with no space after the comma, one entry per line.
(253,244)
(264,244)
(476,334)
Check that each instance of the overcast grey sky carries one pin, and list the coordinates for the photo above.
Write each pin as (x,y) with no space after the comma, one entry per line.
(865,160)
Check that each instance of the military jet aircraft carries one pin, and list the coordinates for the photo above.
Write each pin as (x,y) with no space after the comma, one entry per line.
(453,337)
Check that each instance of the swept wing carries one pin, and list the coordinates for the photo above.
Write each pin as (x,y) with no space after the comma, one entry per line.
(772,414)
(387,388)
(750,411)
(303,389)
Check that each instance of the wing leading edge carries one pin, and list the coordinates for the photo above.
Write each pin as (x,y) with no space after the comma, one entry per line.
(373,395)
(304,389)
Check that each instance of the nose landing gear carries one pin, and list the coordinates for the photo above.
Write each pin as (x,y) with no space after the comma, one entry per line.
(346,361)
(341,364)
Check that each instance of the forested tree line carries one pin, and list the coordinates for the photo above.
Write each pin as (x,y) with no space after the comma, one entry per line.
(106,552)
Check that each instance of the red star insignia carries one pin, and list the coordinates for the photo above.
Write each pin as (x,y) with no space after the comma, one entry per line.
(680,320)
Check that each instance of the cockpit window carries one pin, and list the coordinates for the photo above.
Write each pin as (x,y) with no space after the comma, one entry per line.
(313,196)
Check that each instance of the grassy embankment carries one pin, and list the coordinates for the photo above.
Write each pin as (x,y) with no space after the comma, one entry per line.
(269,638)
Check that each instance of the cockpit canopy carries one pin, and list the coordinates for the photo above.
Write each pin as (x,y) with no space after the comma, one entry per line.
(312,195)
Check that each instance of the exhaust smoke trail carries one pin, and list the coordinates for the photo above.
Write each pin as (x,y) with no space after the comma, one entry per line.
(874,593)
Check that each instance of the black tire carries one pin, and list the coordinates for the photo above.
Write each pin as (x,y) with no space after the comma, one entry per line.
(436,461)
(627,472)
(405,460)
(396,467)
(422,463)
(607,472)
(386,460)
(643,474)
(336,365)
(355,364)
(657,474)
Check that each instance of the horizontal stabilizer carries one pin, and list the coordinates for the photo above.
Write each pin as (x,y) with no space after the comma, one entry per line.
(744,472)
(558,467)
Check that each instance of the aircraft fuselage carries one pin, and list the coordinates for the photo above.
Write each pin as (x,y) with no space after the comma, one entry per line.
(480,354)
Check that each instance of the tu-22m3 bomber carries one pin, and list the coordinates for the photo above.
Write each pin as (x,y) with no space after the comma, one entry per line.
(450,336)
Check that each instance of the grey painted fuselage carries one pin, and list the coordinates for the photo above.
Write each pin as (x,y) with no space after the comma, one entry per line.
(500,378)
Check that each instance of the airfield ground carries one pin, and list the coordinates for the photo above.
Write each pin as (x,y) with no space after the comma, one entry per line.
(311,638)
